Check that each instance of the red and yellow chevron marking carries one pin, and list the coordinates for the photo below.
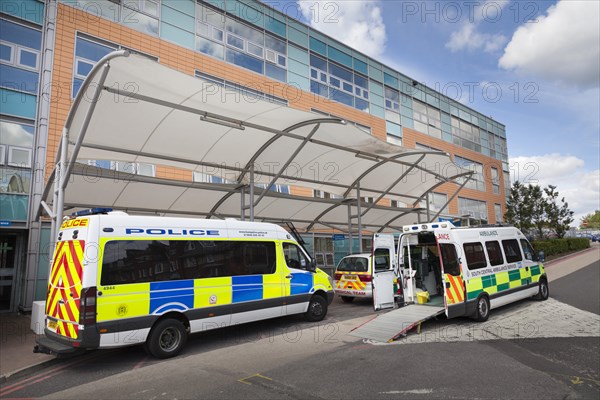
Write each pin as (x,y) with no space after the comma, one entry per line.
(64,287)
(351,284)
(455,293)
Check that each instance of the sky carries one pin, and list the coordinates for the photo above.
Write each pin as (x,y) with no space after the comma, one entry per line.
(534,66)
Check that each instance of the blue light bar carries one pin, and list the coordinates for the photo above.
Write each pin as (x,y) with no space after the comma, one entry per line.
(435,226)
(92,211)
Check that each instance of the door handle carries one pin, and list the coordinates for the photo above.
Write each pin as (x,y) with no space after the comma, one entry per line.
(289,276)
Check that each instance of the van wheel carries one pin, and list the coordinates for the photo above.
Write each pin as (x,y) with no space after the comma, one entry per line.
(317,309)
(482,311)
(544,292)
(347,299)
(166,339)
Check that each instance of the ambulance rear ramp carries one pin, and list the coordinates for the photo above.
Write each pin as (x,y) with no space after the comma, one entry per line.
(389,326)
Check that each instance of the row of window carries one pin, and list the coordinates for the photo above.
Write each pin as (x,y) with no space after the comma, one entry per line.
(138,261)
(495,254)
(20,48)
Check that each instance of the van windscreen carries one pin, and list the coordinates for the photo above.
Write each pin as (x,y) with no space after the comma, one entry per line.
(354,264)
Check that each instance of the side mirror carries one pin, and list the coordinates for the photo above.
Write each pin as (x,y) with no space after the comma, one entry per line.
(541,256)
(312,266)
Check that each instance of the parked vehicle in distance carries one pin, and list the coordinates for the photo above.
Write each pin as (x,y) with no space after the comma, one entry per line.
(595,238)
(353,277)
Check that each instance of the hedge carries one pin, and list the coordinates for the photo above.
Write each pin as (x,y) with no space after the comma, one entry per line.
(553,247)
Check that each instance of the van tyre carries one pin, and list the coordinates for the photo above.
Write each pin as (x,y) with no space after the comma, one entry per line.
(544,292)
(347,299)
(482,310)
(317,309)
(166,339)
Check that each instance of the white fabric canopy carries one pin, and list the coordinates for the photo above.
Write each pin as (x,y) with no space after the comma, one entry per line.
(135,110)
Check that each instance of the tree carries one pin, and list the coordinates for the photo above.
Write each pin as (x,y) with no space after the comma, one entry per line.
(518,207)
(590,221)
(559,216)
(538,208)
(531,207)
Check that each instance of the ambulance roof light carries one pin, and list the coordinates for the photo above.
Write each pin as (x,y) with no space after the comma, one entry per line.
(92,211)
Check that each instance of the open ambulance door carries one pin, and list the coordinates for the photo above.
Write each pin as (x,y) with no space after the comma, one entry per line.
(385,265)
(454,284)
(406,270)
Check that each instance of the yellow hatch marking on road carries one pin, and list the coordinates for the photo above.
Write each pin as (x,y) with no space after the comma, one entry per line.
(243,380)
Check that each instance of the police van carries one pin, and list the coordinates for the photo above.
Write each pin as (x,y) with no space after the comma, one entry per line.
(118,280)
(467,271)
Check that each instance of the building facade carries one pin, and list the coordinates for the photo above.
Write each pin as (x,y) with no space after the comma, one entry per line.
(47,48)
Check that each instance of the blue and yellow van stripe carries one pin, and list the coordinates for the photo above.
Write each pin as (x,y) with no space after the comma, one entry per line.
(502,281)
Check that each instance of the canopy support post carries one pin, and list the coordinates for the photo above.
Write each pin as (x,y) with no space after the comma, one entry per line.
(59,189)
(243,203)
(428,205)
(252,193)
(350,228)
(358,201)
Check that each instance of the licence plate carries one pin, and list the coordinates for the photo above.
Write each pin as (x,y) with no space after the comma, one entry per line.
(351,277)
(52,325)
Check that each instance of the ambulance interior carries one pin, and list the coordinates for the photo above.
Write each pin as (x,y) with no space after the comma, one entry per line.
(420,254)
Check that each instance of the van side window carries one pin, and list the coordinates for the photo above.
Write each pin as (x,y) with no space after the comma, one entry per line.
(382,260)
(449,259)
(475,256)
(294,257)
(512,251)
(138,261)
(528,250)
(494,252)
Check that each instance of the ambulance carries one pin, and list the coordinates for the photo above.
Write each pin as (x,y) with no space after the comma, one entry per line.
(465,271)
(353,276)
(118,280)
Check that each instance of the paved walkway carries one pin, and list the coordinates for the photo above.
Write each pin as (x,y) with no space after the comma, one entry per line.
(17,340)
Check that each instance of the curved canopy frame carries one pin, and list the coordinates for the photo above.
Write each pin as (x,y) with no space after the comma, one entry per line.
(134,110)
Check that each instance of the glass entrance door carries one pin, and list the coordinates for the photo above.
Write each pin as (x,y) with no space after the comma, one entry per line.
(8,268)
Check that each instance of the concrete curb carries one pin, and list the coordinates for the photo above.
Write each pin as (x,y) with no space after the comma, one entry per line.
(27,370)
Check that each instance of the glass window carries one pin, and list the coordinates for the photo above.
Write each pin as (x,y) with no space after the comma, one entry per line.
(449,259)
(361,81)
(318,62)
(255,50)
(275,44)
(275,26)
(235,41)
(353,264)
(382,260)
(203,29)
(210,16)
(275,72)
(512,251)
(208,47)
(475,255)
(91,50)
(294,257)
(218,34)
(244,31)
(281,60)
(19,157)
(136,261)
(319,88)
(14,180)
(318,46)
(528,250)
(340,72)
(245,61)
(361,104)
(21,35)
(76,86)
(498,212)
(341,97)
(18,79)
(28,58)
(83,68)
(13,134)
(140,21)
(6,52)
(494,253)
(334,82)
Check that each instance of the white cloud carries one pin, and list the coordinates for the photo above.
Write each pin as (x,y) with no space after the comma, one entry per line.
(563,45)
(468,36)
(359,24)
(579,186)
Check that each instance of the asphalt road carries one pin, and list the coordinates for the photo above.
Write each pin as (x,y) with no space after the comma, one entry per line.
(288,358)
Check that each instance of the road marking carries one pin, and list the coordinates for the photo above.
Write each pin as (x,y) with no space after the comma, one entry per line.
(244,380)
(412,391)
